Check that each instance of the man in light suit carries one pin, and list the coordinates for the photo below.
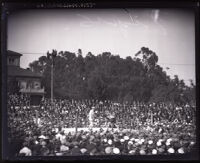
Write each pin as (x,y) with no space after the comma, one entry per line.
(91,117)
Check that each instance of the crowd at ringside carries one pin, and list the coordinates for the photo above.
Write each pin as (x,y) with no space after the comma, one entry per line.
(156,128)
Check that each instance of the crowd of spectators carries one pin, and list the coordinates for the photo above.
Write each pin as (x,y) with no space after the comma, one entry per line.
(154,128)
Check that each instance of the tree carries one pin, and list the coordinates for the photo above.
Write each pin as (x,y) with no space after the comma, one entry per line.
(149,58)
(79,52)
(39,65)
(107,76)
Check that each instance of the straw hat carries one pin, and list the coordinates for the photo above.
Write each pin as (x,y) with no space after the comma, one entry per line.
(83,150)
(142,152)
(181,151)
(126,138)
(122,140)
(109,141)
(150,142)
(170,150)
(130,142)
(116,150)
(108,150)
(154,152)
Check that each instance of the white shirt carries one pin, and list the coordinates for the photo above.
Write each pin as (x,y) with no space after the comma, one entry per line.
(42,137)
(91,114)
(63,139)
(58,136)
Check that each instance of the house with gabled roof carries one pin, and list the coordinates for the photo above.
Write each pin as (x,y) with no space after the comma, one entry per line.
(23,81)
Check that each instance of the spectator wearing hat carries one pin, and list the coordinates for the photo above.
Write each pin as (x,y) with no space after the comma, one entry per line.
(25,150)
(75,151)
(22,127)
(64,149)
(44,151)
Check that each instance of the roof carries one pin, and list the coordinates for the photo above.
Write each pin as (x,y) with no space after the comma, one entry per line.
(20,72)
(12,53)
(32,91)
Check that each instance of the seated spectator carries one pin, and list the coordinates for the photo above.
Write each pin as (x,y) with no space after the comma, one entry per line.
(25,150)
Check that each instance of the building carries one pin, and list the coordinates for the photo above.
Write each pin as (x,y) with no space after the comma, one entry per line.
(23,81)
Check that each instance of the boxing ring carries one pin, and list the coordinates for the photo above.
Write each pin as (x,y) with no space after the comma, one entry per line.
(94,129)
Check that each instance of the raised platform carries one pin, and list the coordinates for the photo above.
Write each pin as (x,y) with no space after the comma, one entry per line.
(73,130)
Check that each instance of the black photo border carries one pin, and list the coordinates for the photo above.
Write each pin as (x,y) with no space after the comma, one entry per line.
(11,6)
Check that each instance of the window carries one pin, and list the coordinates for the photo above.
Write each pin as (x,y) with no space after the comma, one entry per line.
(11,60)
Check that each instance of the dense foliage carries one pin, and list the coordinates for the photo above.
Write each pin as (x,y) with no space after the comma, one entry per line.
(109,77)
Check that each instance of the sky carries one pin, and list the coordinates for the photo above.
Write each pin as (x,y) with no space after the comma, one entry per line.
(169,33)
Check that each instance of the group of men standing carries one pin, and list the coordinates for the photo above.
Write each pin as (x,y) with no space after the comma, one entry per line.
(110,118)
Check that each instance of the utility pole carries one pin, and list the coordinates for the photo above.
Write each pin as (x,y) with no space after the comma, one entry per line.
(52,83)
(52,56)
